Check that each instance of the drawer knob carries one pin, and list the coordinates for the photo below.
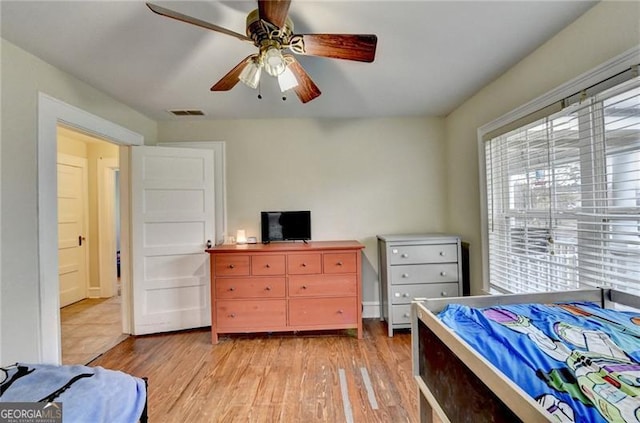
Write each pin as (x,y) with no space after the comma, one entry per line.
(443,294)
(268,288)
(443,273)
(339,263)
(268,265)
(405,255)
(232,315)
(397,295)
(442,253)
(406,315)
(405,275)
(232,289)
(304,264)
(394,251)
(304,286)
(406,294)
(340,312)
(231,266)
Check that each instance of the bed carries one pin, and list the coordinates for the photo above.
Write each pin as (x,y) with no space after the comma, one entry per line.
(81,393)
(461,347)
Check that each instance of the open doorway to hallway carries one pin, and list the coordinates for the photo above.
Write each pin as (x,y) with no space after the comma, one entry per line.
(88,245)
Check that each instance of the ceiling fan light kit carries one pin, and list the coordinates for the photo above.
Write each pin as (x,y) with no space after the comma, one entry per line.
(250,75)
(273,61)
(270,29)
(287,80)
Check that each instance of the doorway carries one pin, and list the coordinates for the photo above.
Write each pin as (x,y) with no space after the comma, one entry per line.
(52,112)
(88,228)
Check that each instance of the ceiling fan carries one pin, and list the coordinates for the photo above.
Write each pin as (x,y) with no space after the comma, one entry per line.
(271,30)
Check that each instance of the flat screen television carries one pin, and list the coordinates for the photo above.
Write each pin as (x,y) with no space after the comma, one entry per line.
(285,225)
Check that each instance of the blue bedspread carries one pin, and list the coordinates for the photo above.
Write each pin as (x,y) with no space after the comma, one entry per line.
(93,394)
(580,362)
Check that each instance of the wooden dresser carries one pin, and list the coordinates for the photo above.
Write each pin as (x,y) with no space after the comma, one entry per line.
(416,266)
(289,286)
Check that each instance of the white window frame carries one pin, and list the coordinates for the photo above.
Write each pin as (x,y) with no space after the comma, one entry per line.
(603,72)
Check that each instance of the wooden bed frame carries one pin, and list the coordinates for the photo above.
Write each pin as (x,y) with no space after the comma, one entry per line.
(458,384)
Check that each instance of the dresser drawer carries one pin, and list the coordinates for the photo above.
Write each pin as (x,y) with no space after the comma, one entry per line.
(266,265)
(412,254)
(323,285)
(401,314)
(255,314)
(304,264)
(232,265)
(404,294)
(339,262)
(424,273)
(322,311)
(229,288)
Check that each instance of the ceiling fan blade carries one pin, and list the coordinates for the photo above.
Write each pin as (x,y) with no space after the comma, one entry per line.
(306,90)
(231,79)
(274,11)
(194,21)
(361,48)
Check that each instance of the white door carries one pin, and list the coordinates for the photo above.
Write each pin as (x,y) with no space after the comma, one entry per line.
(172,218)
(72,250)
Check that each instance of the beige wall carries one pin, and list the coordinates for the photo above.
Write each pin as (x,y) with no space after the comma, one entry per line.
(605,31)
(67,144)
(22,77)
(359,177)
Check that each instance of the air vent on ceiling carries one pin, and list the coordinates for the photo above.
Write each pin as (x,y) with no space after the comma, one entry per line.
(187,112)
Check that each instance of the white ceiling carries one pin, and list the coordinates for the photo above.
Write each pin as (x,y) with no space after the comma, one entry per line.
(431,55)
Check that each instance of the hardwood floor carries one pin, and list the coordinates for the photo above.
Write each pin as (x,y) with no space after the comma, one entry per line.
(273,377)
(89,328)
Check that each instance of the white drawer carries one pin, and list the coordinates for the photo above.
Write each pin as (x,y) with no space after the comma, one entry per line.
(404,294)
(424,273)
(413,254)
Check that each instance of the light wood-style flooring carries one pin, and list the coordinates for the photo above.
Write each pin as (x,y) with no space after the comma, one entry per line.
(300,377)
(89,328)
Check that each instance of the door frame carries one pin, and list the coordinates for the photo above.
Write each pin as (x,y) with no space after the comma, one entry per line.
(106,170)
(52,112)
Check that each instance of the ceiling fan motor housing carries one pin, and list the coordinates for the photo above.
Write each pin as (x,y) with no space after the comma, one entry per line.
(264,34)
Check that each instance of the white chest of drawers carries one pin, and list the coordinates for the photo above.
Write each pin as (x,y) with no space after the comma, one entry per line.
(416,266)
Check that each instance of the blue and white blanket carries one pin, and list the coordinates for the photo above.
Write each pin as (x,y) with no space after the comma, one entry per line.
(579,361)
(87,394)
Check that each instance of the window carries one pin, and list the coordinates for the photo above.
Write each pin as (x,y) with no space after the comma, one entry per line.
(563,196)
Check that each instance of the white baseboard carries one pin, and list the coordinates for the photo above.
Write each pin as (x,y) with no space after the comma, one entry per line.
(370,309)
(94,293)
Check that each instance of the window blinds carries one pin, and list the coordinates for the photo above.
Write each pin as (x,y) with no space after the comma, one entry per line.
(563,196)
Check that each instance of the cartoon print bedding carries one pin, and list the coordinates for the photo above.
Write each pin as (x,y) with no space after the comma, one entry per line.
(579,361)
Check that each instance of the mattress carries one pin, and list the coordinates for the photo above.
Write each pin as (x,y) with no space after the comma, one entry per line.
(579,361)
